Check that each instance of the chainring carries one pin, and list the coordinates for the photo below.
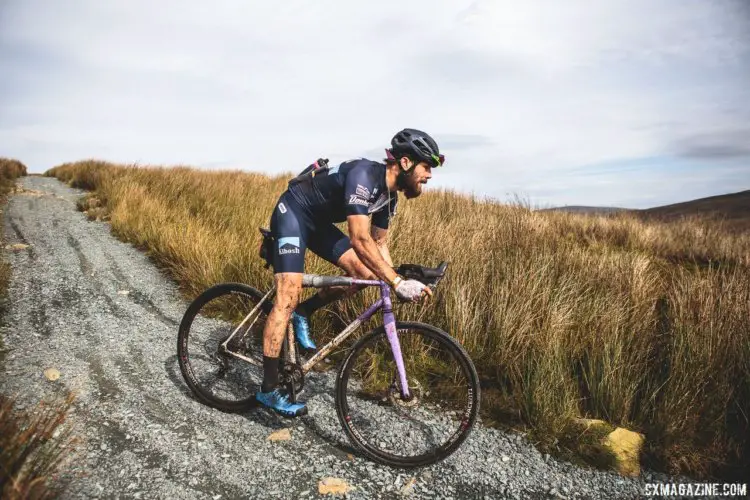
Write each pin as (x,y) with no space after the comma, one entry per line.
(292,376)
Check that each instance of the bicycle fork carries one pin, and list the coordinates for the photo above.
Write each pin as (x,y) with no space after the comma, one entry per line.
(389,322)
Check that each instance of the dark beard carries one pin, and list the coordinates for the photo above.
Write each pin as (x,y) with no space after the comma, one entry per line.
(404,182)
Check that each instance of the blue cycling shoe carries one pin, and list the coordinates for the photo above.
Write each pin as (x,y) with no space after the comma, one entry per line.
(302,331)
(279,402)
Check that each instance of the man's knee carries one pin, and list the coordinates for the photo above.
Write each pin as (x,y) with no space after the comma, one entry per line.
(288,290)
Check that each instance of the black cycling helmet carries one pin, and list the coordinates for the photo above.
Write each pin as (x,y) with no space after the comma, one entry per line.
(417,145)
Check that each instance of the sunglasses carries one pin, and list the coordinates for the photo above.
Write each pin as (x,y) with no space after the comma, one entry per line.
(439,160)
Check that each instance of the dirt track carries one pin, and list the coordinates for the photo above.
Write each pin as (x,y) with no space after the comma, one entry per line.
(144,433)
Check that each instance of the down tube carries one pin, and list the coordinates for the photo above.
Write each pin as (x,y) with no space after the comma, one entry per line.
(389,321)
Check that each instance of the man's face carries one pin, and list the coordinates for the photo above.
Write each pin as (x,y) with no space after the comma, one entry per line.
(413,182)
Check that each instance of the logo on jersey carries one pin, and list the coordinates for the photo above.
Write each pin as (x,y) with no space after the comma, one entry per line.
(289,244)
(282,208)
(379,203)
(362,191)
(356,200)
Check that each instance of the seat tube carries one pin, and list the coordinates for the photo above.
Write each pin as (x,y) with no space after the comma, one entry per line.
(389,321)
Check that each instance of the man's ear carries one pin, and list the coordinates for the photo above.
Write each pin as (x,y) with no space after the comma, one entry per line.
(405,163)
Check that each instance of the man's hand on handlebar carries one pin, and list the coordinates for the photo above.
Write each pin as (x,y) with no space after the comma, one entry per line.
(412,290)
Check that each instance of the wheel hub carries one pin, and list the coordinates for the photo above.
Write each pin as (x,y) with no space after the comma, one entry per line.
(415,394)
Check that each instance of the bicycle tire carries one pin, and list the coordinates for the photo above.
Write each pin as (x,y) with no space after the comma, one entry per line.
(227,291)
(372,448)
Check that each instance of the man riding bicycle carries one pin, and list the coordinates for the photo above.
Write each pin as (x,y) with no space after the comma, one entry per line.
(304,218)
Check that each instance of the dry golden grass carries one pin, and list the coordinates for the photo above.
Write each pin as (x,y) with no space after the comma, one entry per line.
(10,170)
(35,446)
(644,325)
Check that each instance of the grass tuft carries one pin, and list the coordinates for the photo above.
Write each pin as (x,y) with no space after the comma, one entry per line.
(34,447)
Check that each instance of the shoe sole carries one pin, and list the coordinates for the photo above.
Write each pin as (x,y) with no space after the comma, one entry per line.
(283,413)
(300,413)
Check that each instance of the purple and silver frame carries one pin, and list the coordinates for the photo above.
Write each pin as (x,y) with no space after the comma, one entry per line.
(389,320)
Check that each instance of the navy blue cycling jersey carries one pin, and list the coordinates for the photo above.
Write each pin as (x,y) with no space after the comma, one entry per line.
(356,187)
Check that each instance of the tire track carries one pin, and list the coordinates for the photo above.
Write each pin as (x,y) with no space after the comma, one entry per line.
(138,297)
(87,270)
(37,312)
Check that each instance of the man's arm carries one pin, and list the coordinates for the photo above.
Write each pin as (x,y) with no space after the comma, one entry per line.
(367,250)
(380,237)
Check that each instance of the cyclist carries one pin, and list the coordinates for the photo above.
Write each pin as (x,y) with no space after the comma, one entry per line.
(304,218)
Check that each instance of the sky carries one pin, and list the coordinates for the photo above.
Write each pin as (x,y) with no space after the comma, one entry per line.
(630,103)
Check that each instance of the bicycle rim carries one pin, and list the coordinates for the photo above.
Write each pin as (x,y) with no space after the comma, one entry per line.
(216,377)
(419,431)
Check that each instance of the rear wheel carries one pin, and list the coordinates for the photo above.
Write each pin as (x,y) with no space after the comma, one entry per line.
(424,428)
(215,376)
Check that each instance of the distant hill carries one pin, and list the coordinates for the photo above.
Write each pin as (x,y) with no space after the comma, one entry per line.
(579,209)
(733,208)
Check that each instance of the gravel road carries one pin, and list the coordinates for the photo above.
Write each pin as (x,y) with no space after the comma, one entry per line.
(145,436)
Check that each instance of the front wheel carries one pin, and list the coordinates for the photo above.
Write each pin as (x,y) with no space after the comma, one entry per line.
(424,428)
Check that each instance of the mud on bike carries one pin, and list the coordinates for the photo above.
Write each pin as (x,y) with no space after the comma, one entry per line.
(406,393)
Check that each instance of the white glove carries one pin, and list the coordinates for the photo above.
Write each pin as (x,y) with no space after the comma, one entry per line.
(410,290)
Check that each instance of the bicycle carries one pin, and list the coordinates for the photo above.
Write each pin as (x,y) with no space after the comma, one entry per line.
(393,375)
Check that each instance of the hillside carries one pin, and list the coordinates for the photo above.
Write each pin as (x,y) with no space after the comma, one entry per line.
(733,209)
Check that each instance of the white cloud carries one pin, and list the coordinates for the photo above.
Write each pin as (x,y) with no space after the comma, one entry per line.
(519,93)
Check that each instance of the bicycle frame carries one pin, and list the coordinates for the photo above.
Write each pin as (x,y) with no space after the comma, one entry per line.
(318,281)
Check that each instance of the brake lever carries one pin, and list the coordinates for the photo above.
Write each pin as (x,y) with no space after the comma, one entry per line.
(435,284)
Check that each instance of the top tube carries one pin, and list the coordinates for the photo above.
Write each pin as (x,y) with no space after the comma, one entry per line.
(320,281)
